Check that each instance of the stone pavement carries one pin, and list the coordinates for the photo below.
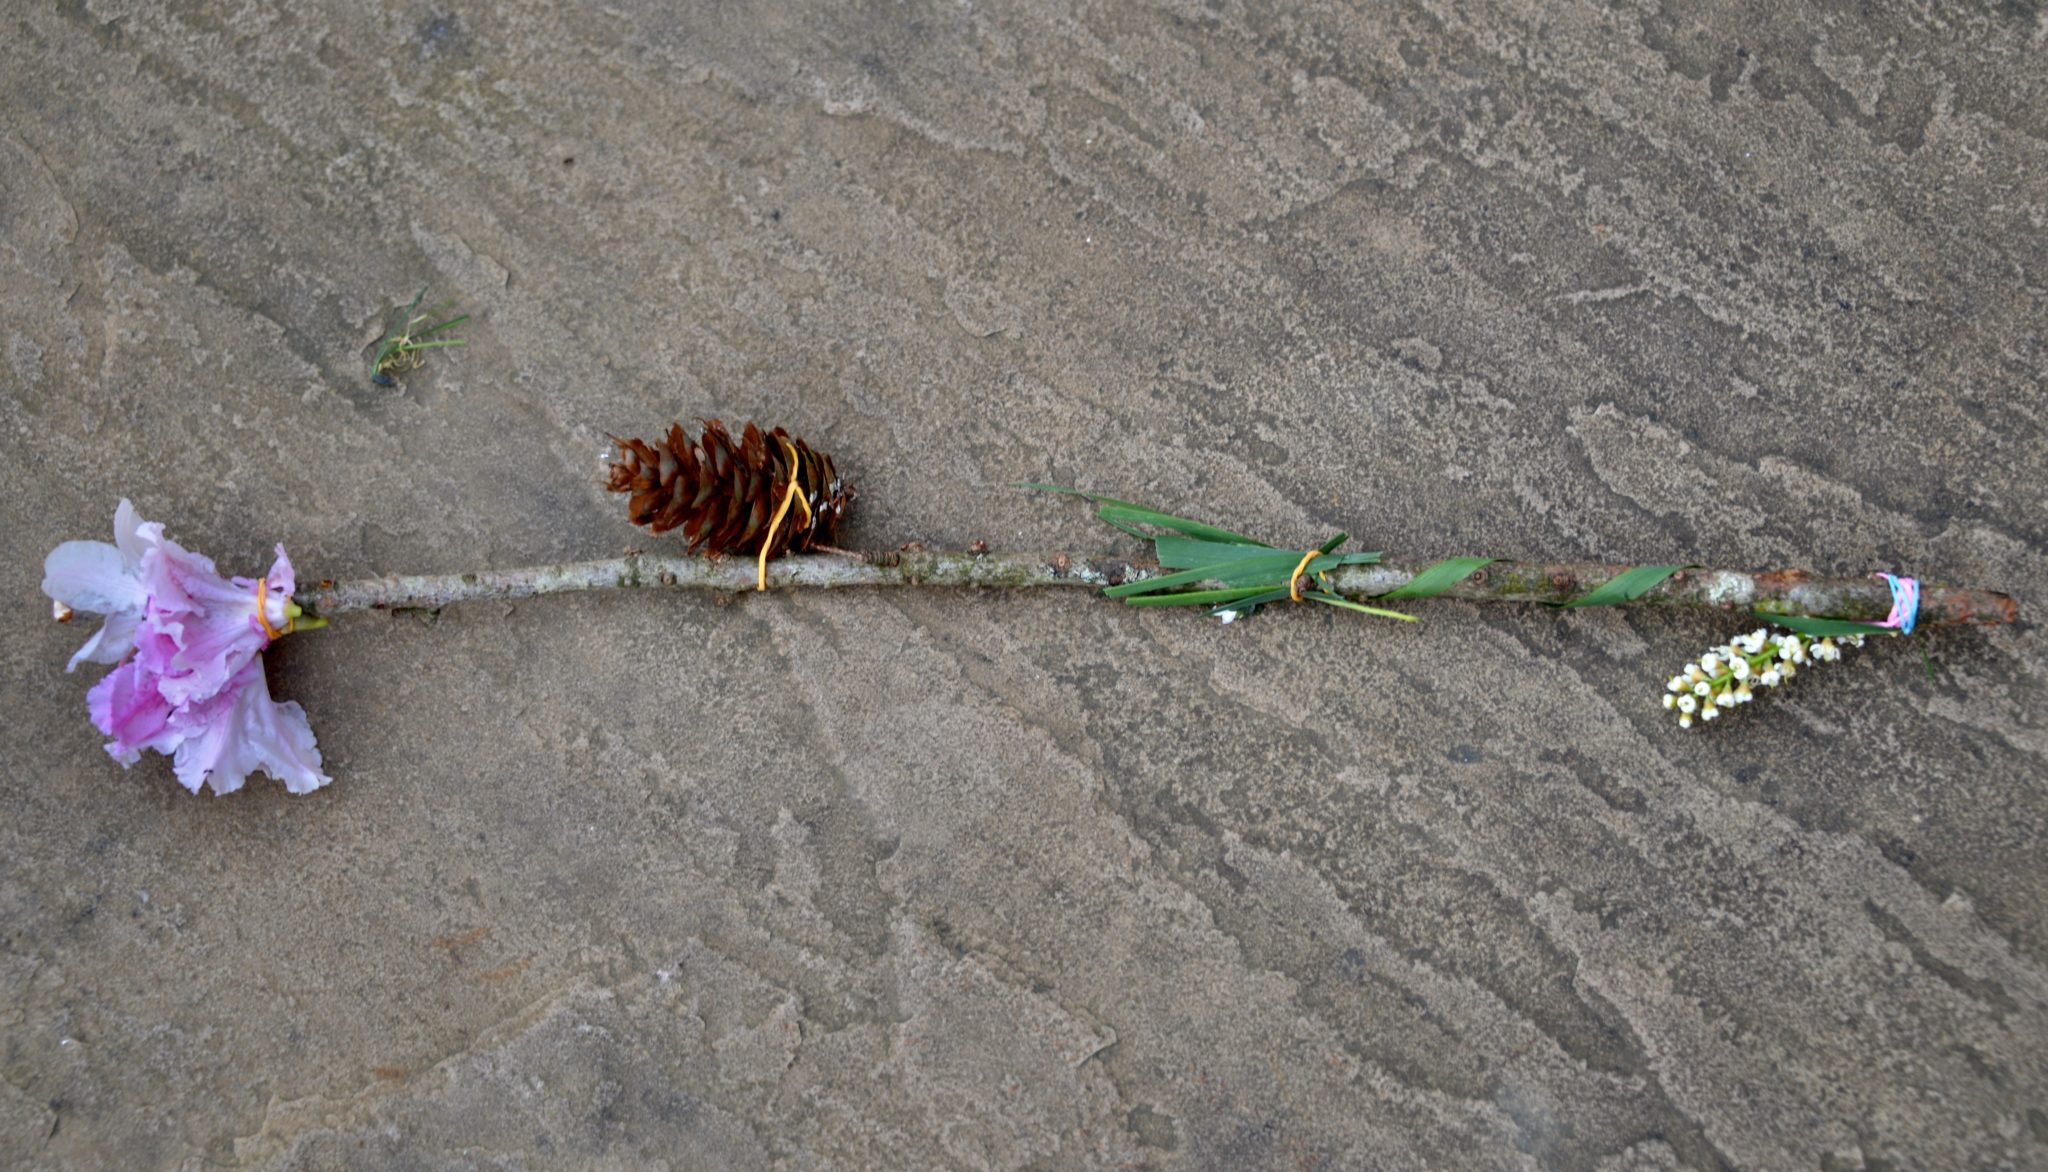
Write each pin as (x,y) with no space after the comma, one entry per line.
(1018,881)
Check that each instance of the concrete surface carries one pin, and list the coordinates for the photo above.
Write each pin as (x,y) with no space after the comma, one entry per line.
(955,881)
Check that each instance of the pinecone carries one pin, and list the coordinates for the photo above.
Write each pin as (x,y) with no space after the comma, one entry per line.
(726,493)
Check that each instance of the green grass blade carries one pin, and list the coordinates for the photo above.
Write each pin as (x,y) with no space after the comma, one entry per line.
(1438,578)
(1261,571)
(1183,552)
(1126,513)
(1626,586)
(1250,605)
(1113,511)
(1807,625)
(1163,582)
(449,324)
(404,317)
(1329,599)
(437,345)
(1195,597)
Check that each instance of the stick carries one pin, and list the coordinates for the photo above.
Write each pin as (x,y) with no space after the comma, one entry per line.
(1790,592)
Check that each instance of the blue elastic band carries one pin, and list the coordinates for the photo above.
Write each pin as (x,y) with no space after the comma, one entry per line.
(1905,602)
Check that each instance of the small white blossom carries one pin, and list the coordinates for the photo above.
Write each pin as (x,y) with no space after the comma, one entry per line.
(1724,677)
(1228,617)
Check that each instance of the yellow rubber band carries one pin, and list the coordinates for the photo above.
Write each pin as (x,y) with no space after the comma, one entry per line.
(781,511)
(262,615)
(1294,579)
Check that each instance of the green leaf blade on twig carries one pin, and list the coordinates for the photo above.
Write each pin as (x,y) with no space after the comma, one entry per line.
(1436,579)
(1809,625)
(1626,586)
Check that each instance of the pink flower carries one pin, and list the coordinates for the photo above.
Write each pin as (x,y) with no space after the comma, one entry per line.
(189,648)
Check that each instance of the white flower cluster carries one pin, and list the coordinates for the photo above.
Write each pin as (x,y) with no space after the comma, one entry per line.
(1731,674)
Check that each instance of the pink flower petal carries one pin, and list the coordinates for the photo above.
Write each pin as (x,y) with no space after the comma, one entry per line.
(210,648)
(180,580)
(126,706)
(281,576)
(241,730)
(128,534)
(111,643)
(92,575)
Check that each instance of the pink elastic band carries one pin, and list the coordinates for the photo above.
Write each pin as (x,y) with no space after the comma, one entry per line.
(1905,602)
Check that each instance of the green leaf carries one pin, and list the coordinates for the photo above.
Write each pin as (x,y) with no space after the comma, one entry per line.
(1438,578)
(1808,625)
(437,344)
(1626,586)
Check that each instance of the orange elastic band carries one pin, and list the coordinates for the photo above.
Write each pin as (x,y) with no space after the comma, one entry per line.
(263,609)
(1294,579)
(794,494)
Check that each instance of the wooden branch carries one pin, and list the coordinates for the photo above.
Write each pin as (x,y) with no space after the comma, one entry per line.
(1789,592)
